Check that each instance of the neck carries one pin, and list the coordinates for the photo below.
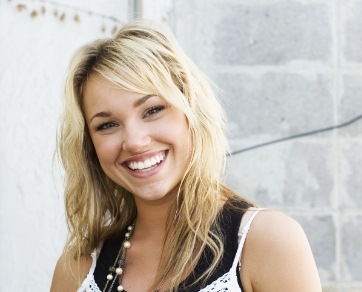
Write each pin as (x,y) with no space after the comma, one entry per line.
(153,217)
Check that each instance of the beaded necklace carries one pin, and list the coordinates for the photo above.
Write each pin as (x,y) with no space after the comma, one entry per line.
(117,269)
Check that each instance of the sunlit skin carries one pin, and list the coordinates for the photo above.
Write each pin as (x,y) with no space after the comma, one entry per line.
(142,143)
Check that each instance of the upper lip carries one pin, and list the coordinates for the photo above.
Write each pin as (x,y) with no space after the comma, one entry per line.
(143,156)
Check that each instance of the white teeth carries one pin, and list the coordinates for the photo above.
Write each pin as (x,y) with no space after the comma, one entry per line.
(147,163)
(140,165)
(150,162)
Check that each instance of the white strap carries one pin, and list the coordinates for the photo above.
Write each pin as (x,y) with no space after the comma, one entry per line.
(94,255)
(244,233)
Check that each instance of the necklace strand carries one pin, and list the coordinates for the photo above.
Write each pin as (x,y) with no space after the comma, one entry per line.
(114,271)
(117,272)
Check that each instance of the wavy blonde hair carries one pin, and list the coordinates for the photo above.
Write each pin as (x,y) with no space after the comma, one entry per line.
(145,58)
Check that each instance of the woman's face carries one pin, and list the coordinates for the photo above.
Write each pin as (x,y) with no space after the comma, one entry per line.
(142,143)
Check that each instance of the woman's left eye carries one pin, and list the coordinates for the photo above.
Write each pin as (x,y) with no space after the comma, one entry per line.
(154,110)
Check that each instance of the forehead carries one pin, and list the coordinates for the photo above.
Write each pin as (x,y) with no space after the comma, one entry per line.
(99,85)
(100,90)
(101,94)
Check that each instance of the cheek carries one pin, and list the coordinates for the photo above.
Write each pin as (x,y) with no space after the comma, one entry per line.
(106,149)
(178,129)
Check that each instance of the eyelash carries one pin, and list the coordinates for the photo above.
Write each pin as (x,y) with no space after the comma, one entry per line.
(154,110)
(106,126)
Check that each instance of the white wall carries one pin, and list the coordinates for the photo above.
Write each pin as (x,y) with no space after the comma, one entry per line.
(34,54)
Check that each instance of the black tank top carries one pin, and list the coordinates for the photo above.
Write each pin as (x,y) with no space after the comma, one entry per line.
(229,220)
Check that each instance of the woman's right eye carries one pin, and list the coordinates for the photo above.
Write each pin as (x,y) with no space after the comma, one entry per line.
(106,126)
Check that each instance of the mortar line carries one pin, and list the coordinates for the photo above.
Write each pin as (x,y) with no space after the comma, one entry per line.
(337,148)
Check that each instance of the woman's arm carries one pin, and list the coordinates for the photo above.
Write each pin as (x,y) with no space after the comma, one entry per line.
(69,274)
(277,256)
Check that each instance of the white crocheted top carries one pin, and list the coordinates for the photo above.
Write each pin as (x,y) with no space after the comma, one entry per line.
(227,282)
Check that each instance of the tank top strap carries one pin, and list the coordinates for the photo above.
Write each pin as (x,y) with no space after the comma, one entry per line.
(243,233)
(95,253)
(94,262)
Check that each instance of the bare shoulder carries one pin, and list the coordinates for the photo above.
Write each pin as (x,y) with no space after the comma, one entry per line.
(275,227)
(277,256)
(69,273)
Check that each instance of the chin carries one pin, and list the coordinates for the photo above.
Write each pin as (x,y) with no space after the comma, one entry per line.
(154,195)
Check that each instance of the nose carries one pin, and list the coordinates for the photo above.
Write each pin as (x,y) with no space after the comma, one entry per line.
(136,138)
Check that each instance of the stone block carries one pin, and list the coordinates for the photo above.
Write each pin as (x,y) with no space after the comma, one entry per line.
(351,23)
(351,247)
(309,180)
(321,233)
(329,288)
(238,32)
(259,175)
(292,175)
(350,105)
(355,288)
(194,26)
(274,34)
(351,174)
(276,104)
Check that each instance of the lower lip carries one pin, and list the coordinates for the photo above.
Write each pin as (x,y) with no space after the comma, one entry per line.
(146,172)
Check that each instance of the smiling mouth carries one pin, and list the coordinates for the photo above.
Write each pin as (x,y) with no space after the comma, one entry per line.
(146,164)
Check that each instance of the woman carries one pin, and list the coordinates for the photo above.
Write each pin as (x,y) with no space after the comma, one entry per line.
(143,146)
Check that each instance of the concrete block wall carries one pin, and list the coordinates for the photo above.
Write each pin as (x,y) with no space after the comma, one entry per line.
(289,67)
(285,66)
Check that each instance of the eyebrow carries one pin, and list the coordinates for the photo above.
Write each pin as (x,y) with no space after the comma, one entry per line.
(107,114)
(142,100)
(100,115)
